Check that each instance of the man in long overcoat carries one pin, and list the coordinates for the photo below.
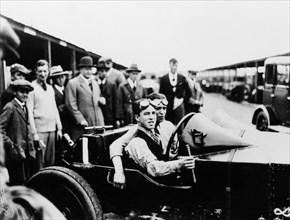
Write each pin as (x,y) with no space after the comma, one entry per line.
(83,99)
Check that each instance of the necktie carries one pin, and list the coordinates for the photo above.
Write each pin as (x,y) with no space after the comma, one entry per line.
(155,137)
(91,84)
(25,110)
(44,86)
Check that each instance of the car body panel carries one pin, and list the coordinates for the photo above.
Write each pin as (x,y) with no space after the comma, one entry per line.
(232,182)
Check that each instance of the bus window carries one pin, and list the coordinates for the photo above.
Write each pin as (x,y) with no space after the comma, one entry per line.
(282,74)
(270,74)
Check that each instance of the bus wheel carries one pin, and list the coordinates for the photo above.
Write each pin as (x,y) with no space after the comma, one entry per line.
(262,122)
(68,191)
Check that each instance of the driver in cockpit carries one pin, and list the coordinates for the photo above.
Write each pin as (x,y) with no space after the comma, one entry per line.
(146,148)
(163,127)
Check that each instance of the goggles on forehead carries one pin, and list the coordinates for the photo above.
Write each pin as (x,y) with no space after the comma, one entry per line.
(144,103)
(157,102)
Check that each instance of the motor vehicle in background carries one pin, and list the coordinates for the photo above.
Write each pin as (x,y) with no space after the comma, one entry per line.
(238,90)
(274,112)
(149,81)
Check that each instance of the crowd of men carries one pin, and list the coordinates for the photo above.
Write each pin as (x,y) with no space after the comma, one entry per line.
(35,115)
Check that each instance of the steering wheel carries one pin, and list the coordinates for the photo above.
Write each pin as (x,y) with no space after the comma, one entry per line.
(178,130)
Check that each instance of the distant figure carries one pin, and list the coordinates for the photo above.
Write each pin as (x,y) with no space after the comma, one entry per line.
(17,71)
(17,135)
(83,99)
(59,78)
(128,93)
(45,121)
(113,76)
(109,92)
(196,99)
(176,89)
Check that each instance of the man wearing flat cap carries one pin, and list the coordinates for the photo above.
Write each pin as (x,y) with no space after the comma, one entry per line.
(128,93)
(112,75)
(83,99)
(17,71)
(17,136)
(196,99)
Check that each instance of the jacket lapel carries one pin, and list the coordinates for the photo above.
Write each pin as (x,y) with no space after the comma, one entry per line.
(20,110)
(129,88)
(84,85)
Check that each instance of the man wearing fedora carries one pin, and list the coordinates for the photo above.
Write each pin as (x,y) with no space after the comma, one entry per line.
(112,75)
(17,71)
(128,93)
(59,77)
(83,99)
(45,121)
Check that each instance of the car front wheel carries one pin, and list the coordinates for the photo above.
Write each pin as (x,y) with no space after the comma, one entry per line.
(68,191)
(262,122)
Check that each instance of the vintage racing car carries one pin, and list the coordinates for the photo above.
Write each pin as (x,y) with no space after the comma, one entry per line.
(232,179)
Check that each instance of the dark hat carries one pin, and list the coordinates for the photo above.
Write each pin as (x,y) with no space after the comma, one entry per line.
(8,37)
(105,59)
(21,84)
(193,72)
(102,66)
(133,68)
(16,67)
(57,71)
(173,60)
(86,61)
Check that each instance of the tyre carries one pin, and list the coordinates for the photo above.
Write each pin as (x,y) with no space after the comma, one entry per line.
(262,122)
(68,191)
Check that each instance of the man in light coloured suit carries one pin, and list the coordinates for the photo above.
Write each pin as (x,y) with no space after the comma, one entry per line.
(83,99)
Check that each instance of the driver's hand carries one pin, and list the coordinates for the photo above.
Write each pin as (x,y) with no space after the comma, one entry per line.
(187,162)
(119,180)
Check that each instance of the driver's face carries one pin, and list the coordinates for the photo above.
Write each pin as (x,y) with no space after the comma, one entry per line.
(147,118)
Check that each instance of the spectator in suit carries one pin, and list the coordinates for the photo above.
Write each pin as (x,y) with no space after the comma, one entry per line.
(196,99)
(128,93)
(45,121)
(112,75)
(176,89)
(109,92)
(17,136)
(17,71)
(59,78)
(83,99)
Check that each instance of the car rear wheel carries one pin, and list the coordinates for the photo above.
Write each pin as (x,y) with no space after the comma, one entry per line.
(68,191)
(262,122)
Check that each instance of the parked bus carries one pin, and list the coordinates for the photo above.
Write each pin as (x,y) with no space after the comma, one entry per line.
(274,112)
